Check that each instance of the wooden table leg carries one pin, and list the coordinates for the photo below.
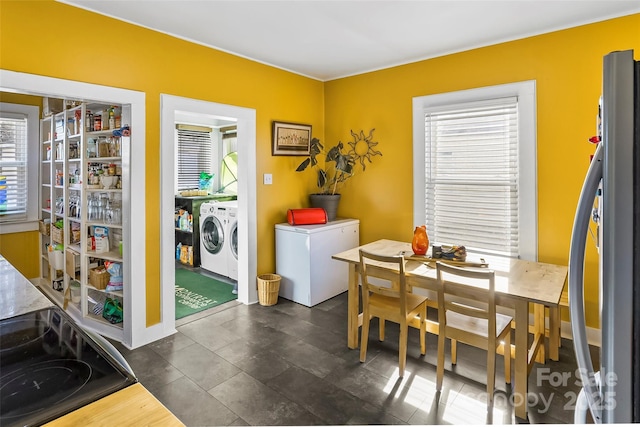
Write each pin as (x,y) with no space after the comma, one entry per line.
(353,308)
(539,328)
(554,333)
(521,358)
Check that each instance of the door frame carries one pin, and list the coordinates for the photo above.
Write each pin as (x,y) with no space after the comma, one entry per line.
(247,230)
(138,333)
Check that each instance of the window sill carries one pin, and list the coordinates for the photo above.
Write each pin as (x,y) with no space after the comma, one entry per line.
(18,227)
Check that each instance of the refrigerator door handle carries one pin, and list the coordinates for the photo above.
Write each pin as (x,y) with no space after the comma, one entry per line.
(576,284)
(582,406)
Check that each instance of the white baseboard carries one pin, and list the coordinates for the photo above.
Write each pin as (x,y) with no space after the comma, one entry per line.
(593,334)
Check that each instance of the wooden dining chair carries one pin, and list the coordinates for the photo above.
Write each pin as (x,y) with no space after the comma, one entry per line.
(467,313)
(394,302)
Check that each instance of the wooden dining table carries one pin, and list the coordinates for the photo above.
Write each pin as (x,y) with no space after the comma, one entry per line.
(519,283)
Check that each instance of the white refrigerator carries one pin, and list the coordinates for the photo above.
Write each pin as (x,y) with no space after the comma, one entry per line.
(303,259)
(611,393)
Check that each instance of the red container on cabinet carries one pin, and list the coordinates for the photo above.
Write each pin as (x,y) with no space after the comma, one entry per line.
(306,216)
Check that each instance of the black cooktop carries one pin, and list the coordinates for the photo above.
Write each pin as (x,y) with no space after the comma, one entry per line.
(49,367)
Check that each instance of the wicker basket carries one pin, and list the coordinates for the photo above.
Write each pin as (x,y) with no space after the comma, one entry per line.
(44,227)
(57,234)
(268,288)
(99,278)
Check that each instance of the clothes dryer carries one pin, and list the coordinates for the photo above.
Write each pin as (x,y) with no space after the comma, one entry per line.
(213,251)
(232,237)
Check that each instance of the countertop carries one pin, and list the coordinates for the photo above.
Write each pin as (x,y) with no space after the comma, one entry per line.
(132,406)
(19,295)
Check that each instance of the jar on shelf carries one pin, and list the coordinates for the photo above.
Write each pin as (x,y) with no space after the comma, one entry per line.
(114,147)
(103,147)
(92,150)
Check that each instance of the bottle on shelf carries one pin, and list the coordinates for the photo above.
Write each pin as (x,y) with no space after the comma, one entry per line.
(105,119)
(77,116)
(89,121)
(112,118)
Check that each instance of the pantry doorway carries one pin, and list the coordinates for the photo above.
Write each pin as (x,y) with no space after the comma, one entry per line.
(172,108)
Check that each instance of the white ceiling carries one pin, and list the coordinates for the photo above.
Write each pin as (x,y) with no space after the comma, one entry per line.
(337,38)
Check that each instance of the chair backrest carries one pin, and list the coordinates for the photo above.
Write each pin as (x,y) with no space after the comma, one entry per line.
(479,301)
(387,268)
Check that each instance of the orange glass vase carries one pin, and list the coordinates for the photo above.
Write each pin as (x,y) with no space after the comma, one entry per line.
(420,242)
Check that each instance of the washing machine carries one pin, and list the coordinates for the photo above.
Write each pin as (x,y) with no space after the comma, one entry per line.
(213,229)
(231,237)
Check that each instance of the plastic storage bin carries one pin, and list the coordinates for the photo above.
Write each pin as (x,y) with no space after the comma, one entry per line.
(56,259)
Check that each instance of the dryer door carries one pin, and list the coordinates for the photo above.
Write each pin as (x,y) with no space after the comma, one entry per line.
(233,240)
(212,235)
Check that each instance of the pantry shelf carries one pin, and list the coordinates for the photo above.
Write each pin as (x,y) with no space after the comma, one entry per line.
(111,255)
(74,158)
(104,224)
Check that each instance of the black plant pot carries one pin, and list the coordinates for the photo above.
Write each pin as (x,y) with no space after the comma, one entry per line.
(329,202)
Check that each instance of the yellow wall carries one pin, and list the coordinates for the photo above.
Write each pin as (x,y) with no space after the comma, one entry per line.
(567,66)
(57,40)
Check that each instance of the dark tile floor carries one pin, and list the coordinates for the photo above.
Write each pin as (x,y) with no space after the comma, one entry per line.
(289,365)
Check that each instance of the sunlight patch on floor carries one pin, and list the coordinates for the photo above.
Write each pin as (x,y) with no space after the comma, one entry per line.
(471,410)
(414,389)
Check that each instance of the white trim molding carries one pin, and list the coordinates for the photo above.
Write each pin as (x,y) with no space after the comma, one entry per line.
(170,106)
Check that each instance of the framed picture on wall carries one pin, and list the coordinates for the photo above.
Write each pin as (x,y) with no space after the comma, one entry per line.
(291,139)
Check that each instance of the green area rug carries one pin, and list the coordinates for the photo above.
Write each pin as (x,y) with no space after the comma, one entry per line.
(195,292)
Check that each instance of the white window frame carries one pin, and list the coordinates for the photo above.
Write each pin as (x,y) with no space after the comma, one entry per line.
(30,222)
(527,158)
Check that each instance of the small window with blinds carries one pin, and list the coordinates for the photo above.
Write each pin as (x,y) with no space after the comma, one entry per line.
(194,154)
(13,167)
(471,175)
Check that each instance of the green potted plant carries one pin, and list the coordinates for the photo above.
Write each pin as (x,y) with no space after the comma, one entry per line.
(338,167)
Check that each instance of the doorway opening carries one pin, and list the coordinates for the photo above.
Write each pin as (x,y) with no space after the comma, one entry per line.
(174,110)
(206,191)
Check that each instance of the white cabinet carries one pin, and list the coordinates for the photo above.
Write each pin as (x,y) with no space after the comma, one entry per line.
(303,259)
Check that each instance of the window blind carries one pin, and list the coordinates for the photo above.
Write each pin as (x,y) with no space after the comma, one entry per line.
(195,155)
(13,166)
(471,167)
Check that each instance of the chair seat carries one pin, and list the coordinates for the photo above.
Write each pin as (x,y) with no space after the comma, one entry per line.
(391,303)
(476,326)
